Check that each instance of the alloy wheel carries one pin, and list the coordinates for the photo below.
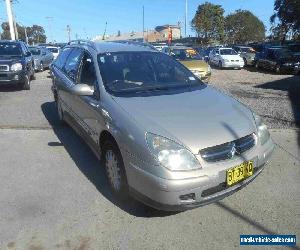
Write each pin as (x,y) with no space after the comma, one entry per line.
(113,170)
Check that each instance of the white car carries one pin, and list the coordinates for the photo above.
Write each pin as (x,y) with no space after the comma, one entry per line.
(226,58)
(54,50)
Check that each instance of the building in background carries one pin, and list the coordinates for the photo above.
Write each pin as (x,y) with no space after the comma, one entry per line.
(159,34)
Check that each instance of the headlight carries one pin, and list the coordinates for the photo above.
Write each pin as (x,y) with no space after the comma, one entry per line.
(170,154)
(16,67)
(208,69)
(263,133)
(226,60)
(288,64)
(196,72)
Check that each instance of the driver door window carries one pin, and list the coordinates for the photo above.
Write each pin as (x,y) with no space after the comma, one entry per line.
(87,74)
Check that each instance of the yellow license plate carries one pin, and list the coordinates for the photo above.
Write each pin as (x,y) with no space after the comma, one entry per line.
(239,173)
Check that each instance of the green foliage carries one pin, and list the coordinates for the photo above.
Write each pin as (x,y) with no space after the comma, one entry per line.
(208,22)
(242,27)
(286,18)
(35,33)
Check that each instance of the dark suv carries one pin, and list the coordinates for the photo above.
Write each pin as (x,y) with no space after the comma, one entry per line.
(280,60)
(16,64)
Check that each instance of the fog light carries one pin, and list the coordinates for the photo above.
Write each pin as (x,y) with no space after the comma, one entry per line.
(187,197)
(16,77)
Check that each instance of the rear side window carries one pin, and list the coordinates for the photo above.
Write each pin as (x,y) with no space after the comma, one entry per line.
(72,64)
(62,57)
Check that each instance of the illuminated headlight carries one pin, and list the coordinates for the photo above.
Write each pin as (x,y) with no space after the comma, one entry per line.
(288,64)
(170,154)
(16,67)
(263,133)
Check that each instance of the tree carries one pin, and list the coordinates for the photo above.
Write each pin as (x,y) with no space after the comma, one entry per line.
(286,17)
(208,22)
(243,27)
(35,33)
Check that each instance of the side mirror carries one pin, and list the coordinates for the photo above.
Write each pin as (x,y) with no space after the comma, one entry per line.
(82,90)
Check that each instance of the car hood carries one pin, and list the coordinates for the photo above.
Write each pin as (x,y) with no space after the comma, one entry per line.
(195,64)
(231,57)
(36,57)
(197,119)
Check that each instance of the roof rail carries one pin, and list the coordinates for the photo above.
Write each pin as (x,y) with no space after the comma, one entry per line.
(83,42)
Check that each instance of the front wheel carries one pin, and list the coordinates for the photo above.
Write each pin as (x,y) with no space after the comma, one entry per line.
(26,84)
(60,112)
(278,69)
(115,170)
(220,64)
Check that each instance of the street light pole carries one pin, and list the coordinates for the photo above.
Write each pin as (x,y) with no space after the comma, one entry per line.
(26,37)
(10,20)
(143,24)
(185,23)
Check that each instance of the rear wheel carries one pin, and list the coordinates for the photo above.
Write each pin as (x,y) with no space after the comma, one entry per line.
(26,84)
(115,170)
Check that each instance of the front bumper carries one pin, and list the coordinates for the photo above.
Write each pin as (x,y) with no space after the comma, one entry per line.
(239,64)
(250,61)
(170,195)
(11,77)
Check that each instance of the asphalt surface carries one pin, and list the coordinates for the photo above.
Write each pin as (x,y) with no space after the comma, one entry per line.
(54,194)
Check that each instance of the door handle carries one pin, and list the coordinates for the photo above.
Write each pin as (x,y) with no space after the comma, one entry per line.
(95,105)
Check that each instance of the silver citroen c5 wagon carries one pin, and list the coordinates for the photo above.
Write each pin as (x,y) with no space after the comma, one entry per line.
(163,136)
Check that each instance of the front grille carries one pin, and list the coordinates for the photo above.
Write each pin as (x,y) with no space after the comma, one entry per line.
(228,150)
(4,68)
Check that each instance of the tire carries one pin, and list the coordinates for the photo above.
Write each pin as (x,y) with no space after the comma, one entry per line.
(114,169)
(26,84)
(257,65)
(220,64)
(60,112)
(33,75)
(278,69)
(245,61)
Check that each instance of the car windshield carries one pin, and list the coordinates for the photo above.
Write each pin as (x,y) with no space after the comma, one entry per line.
(247,50)
(10,49)
(35,51)
(137,72)
(185,54)
(227,52)
(53,50)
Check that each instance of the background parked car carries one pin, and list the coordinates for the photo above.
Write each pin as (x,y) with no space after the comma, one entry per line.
(42,57)
(226,58)
(190,58)
(54,51)
(280,60)
(16,64)
(247,53)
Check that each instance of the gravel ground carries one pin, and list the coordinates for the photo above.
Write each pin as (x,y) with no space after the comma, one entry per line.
(275,97)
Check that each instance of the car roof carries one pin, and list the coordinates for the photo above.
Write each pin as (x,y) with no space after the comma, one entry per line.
(103,47)
(224,48)
(181,47)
